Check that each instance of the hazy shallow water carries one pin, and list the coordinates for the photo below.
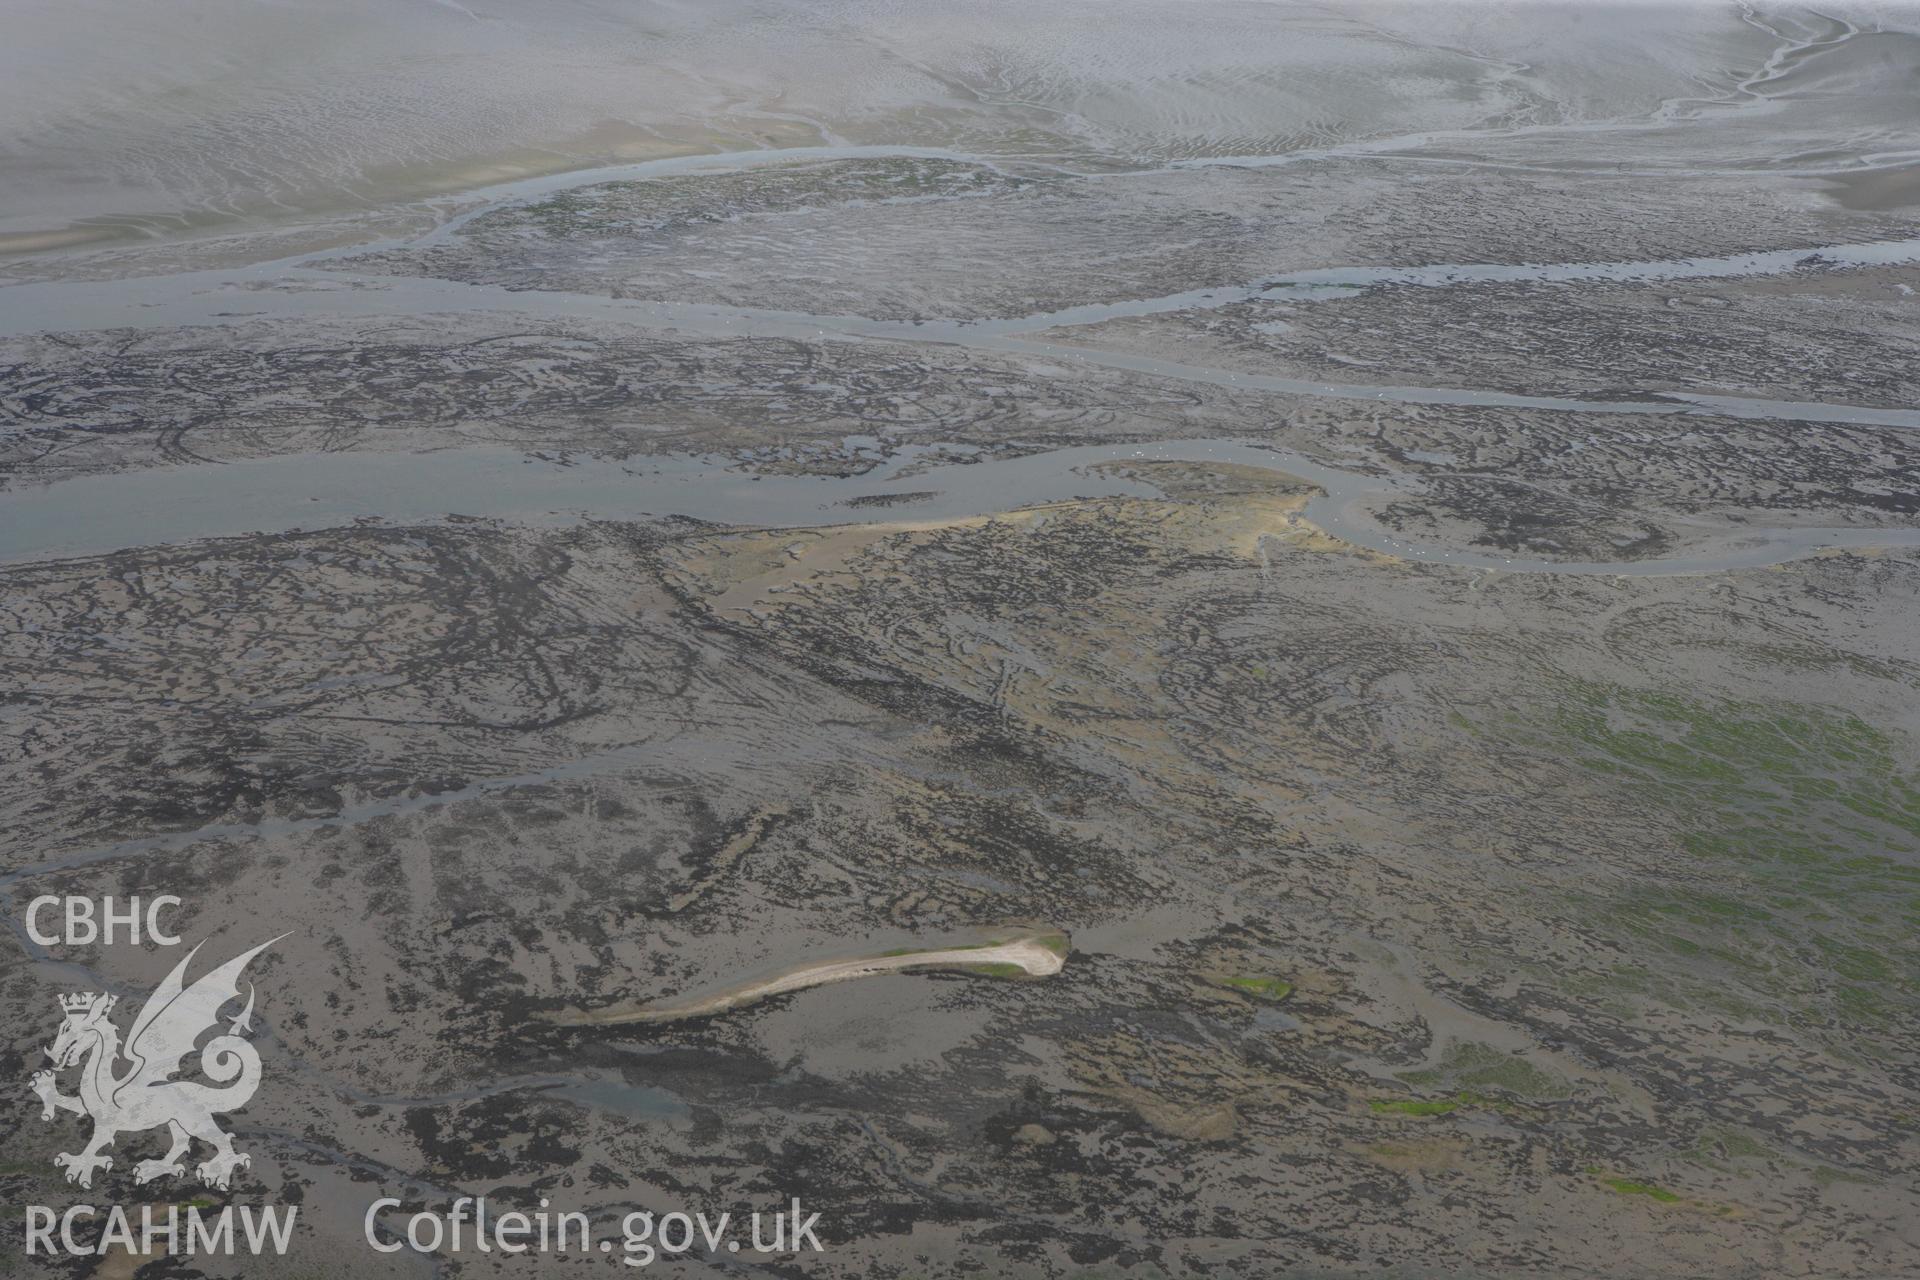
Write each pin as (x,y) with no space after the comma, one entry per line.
(106,513)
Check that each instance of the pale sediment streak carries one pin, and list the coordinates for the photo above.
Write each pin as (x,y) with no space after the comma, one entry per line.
(1036,955)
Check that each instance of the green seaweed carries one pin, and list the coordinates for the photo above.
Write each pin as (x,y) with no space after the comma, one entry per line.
(1265,987)
(1628,1187)
(1414,1106)
(1473,1066)
(1826,1175)
(996,969)
(1803,823)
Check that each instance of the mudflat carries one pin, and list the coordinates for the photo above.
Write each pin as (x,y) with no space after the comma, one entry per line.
(1392,528)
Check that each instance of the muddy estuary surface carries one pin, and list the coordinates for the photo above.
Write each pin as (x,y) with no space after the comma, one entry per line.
(1265,642)
(101,514)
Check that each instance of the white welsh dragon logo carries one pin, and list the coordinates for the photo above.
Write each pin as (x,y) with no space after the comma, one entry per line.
(142,1096)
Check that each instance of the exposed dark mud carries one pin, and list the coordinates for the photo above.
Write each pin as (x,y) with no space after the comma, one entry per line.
(1432,620)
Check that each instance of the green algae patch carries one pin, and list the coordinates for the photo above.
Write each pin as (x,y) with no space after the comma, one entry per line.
(1262,986)
(891,952)
(1826,1175)
(1799,900)
(1428,1107)
(996,969)
(1720,1144)
(1473,1066)
(1413,1106)
(1628,1187)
